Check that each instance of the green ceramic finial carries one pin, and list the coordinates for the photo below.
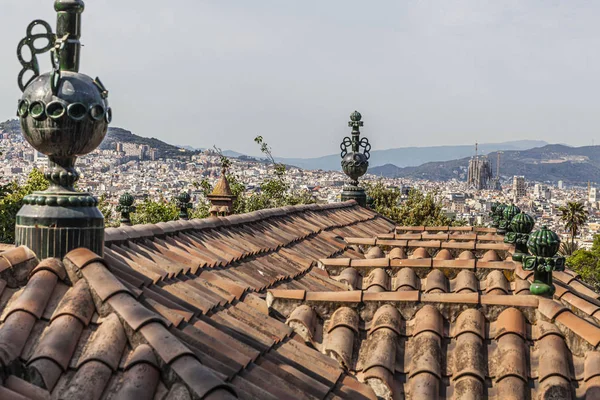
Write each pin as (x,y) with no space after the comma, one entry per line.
(126,207)
(507,214)
(543,245)
(183,202)
(519,229)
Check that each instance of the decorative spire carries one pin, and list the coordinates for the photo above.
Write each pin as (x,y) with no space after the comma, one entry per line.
(63,114)
(183,202)
(354,162)
(543,245)
(126,207)
(508,212)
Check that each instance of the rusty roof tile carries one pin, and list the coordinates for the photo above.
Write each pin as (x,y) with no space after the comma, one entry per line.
(26,389)
(53,265)
(513,301)
(553,358)
(510,320)
(427,319)
(304,321)
(59,340)
(166,345)
(133,312)
(374,262)
(340,345)
(465,281)
(521,286)
(397,253)
(466,255)
(89,381)
(335,262)
(436,282)
(491,255)
(142,354)
(374,252)
(350,277)
(468,357)
(139,382)
(386,316)
(420,252)
(444,254)
(555,386)
(288,294)
(378,278)
(584,305)
(406,279)
(353,296)
(400,296)
(496,283)
(592,365)
(102,282)
(458,245)
(470,321)
(550,308)
(458,298)
(583,328)
(13,335)
(106,345)
(511,362)
(82,257)
(197,377)
(76,302)
(35,295)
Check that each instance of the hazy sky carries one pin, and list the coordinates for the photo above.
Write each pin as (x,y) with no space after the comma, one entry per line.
(421,72)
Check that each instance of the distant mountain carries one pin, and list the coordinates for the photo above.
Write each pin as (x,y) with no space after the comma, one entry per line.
(550,163)
(228,153)
(412,156)
(10,126)
(116,135)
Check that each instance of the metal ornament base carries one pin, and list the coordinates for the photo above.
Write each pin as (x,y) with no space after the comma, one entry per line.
(355,193)
(53,223)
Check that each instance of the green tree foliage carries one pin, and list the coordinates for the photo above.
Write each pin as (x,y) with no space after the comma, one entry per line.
(11,201)
(587,264)
(417,209)
(574,216)
(151,212)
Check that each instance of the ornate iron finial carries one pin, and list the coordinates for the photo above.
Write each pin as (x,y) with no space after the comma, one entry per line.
(126,207)
(63,114)
(183,202)
(354,162)
(543,245)
(519,229)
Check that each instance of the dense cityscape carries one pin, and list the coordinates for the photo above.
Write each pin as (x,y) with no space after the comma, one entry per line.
(141,170)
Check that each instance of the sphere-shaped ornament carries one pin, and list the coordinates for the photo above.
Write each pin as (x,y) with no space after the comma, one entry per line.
(543,243)
(126,200)
(355,165)
(71,120)
(355,116)
(510,212)
(184,197)
(522,223)
(500,209)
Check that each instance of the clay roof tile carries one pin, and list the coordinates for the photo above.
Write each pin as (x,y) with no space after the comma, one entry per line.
(107,344)
(304,321)
(436,282)
(76,302)
(511,320)
(465,281)
(406,279)
(397,253)
(444,254)
(491,255)
(420,253)
(374,252)
(466,255)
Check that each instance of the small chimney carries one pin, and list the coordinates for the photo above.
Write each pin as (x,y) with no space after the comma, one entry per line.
(221,197)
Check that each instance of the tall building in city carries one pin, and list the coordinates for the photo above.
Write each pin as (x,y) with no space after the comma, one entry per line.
(561,185)
(519,187)
(593,195)
(480,172)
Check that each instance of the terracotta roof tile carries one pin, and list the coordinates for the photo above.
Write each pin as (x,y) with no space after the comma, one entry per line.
(76,302)
(102,282)
(350,277)
(53,265)
(26,389)
(491,255)
(35,295)
(397,253)
(378,280)
(583,328)
(436,282)
(163,342)
(374,252)
(496,283)
(303,320)
(550,308)
(465,281)
(553,359)
(107,344)
(406,279)
(354,296)
(466,255)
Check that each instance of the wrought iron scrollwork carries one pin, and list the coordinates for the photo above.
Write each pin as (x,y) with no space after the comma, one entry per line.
(29,42)
(345,145)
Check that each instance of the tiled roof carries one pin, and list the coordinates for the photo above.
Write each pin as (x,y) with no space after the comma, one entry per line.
(428,314)
(176,310)
(301,302)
